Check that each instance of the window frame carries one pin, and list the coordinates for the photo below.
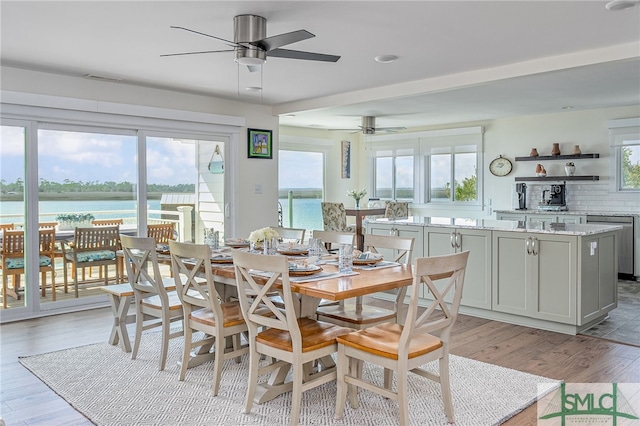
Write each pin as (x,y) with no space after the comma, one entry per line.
(622,134)
(422,144)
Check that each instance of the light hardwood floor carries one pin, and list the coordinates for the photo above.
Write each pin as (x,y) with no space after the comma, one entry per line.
(27,401)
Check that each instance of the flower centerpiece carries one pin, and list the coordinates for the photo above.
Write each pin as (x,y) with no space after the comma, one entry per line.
(357,195)
(73,220)
(263,236)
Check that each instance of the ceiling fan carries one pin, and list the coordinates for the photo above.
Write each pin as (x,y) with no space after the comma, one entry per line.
(368,126)
(252,46)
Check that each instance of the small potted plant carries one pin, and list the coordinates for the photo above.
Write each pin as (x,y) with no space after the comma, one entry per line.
(357,195)
(72,220)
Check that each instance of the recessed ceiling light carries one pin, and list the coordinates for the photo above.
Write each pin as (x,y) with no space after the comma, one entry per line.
(385,59)
(253,89)
(621,4)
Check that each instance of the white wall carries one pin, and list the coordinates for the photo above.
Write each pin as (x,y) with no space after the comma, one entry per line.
(253,210)
(510,137)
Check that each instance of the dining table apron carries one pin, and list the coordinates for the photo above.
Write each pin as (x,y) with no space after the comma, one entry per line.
(360,214)
(310,293)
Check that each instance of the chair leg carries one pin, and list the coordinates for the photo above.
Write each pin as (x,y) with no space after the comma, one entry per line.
(388,378)
(218,362)
(296,393)
(352,390)
(446,387)
(403,405)
(4,289)
(164,348)
(254,360)
(64,276)
(186,353)
(139,324)
(341,385)
(75,281)
(43,284)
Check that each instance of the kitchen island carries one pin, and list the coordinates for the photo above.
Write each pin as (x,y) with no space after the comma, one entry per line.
(554,276)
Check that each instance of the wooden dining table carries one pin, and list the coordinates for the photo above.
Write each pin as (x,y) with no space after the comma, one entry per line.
(360,214)
(310,293)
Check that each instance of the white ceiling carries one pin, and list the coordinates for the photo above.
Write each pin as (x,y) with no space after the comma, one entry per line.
(457,60)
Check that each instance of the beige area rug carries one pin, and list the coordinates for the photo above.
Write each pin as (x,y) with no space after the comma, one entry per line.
(106,386)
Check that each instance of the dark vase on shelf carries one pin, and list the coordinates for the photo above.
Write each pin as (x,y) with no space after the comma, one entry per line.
(556,149)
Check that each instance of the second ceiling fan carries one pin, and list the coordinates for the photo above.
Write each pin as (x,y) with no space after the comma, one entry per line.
(368,126)
(252,46)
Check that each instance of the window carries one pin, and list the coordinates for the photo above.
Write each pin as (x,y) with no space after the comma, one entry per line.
(625,146)
(394,167)
(301,165)
(438,167)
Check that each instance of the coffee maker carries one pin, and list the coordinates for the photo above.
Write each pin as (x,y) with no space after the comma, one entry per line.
(521,191)
(557,195)
(557,198)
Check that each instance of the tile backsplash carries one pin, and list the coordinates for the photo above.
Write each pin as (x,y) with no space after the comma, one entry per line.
(585,197)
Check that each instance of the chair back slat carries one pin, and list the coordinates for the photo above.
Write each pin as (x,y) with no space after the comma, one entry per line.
(12,243)
(97,238)
(254,293)
(290,234)
(440,315)
(162,233)
(188,262)
(333,237)
(143,269)
(402,246)
(107,222)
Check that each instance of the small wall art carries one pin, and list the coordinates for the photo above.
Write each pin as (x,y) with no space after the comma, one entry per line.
(346,159)
(260,143)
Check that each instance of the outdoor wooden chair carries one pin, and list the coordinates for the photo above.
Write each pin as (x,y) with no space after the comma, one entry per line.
(204,311)
(12,262)
(405,348)
(162,233)
(96,246)
(157,303)
(354,313)
(280,334)
(106,222)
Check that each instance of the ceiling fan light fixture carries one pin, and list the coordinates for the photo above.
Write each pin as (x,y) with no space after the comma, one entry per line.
(621,4)
(246,60)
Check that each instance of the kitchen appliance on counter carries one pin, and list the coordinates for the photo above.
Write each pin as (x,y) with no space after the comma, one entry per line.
(557,200)
(521,190)
(625,243)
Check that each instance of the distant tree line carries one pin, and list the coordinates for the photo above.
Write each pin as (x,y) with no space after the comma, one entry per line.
(71,186)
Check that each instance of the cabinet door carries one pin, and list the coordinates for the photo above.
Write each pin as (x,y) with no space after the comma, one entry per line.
(477,277)
(510,270)
(553,277)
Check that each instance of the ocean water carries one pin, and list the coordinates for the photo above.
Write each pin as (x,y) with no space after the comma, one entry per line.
(307,213)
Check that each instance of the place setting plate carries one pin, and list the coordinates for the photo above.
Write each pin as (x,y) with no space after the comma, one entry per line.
(303,271)
(365,261)
(236,243)
(222,259)
(293,251)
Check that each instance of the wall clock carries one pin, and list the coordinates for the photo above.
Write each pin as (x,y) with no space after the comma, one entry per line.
(500,166)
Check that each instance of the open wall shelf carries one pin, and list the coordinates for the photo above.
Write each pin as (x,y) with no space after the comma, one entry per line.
(558,157)
(555,178)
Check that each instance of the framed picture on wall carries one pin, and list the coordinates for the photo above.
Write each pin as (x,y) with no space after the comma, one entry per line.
(260,144)
(346,159)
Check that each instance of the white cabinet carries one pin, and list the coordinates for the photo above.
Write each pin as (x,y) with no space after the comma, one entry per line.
(511,216)
(597,264)
(534,275)
(406,231)
(477,278)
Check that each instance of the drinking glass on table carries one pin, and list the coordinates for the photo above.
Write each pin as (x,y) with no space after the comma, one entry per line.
(345,258)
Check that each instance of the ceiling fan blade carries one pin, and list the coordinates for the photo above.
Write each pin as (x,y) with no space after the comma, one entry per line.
(197,53)
(391,128)
(298,54)
(254,68)
(229,42)
(280,40)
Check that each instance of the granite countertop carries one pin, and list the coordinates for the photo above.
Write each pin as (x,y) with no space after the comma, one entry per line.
(567,212)
(503,225)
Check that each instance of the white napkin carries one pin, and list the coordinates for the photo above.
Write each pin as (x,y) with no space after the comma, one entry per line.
(367,255)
